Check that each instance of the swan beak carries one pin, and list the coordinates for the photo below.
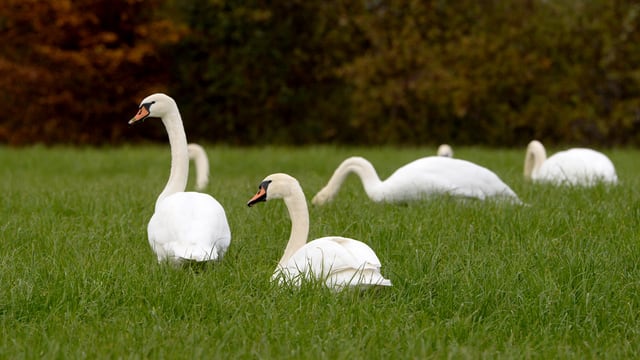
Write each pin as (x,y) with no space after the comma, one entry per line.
(142,114)
(261,195)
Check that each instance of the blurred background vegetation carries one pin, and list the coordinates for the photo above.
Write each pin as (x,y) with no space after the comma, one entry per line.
(366,72)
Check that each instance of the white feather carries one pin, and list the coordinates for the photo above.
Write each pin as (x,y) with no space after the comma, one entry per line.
(337,261)
(577,166)
(186,226)
(419,179)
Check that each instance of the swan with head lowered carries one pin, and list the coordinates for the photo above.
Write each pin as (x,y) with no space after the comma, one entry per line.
(186,226)
(337,261)
(577,166)
(419,179)
(201,162)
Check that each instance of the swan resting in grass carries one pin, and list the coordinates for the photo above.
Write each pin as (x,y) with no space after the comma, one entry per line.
(445,150)
(186,226)
(201,162)
(337,261)
(419,179)
(577,166)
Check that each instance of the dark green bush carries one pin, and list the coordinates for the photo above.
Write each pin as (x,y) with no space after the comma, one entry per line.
(351,71)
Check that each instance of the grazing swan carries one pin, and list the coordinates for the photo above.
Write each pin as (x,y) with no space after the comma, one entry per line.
(445,150)
(578,166)
(186,226)
(418,179)
(201,161)
(339,262)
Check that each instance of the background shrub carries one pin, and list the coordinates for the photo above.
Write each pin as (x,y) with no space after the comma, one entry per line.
(297,72)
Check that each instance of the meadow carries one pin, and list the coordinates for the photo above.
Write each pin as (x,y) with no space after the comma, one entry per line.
(559,278)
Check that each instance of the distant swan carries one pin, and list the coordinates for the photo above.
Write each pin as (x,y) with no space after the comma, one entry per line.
(339,262)
(578,166)
(418,179)
(201,162)
(445,150)
(186,226)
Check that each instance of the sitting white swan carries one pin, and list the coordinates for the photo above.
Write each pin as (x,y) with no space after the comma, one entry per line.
(201,162)
(186,226)
(419,179)
(339,262)
(445,150)
(578,166)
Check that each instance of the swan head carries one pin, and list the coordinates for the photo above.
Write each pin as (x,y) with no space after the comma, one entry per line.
(155,106)
(274,186)
(445,150)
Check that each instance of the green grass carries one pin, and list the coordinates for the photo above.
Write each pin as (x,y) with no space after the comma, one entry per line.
(557,279)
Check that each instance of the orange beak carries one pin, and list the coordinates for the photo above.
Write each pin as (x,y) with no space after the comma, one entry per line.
(261,195)
(143,112)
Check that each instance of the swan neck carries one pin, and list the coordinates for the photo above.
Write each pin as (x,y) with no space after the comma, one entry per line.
(201,162)
(299,214)
(536,155)
(363,169)
(179,155)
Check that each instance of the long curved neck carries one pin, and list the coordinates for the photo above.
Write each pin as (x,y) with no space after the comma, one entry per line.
(200,160)
(536,155)
(299,214)
(361,167)
(179,155)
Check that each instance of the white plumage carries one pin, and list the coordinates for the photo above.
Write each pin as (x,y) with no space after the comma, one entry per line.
(419,179)
(186,226)
(577,166)
(189,226)
(445,150)
(201,162)
(337,261)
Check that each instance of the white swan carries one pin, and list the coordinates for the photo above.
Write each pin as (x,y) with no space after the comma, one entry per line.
(339,262)
(201,162)
(186,226)
(577,166)
(418,179)
(445,150)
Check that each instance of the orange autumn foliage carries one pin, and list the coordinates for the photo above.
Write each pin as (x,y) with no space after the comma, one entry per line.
(71,71)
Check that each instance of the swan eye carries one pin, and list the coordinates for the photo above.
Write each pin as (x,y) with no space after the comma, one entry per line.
(264,185)
(147,106)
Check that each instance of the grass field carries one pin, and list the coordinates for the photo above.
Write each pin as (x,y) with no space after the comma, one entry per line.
(557,279)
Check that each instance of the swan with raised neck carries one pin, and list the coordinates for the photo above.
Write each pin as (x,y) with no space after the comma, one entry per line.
(574,167)
(338,261)
(186,226)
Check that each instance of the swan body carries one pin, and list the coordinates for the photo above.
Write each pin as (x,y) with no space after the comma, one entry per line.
(577,166)
(186,226)
(337,261)
(445,150)
(201,162)
(419,179)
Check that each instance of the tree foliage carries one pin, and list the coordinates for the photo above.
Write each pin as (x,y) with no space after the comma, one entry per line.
(497,72)
(253,71)
(70,71)
(351,71)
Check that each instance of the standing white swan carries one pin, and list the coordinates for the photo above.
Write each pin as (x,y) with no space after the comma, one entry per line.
(186,226)
(445,150)
(577,166)
(419,179)
(201,162)
(339,262)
